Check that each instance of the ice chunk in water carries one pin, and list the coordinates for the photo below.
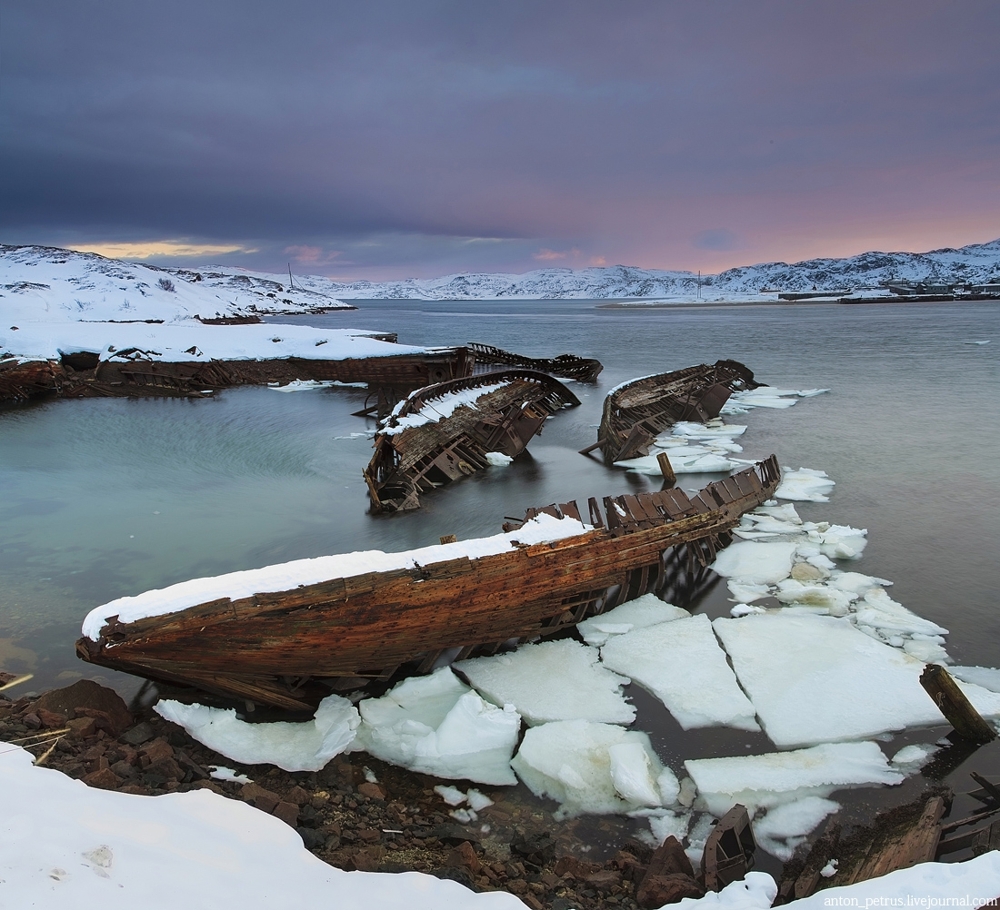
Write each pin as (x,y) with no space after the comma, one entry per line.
(632,774)
(669,825)
(570,761)
(986,677)
(837,602)
(437,725)
(804,485)
(498,459)
(681,663)
(303,746)
(644,611)
(780,777)
(553,680)
(754,562)
(786,826)
(817,679)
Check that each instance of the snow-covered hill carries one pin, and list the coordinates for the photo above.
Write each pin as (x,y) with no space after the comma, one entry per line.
(976,263)
(45,284)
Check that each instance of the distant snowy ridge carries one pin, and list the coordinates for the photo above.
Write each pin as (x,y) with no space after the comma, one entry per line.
(977,263)
(46,284)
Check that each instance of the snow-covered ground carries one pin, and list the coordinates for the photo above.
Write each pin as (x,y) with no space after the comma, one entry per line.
(64,844)
(88,286)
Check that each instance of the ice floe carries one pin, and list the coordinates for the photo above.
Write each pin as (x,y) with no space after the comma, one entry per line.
(576,763)
(647,610)
(756,562)
(815,679)
(986,677)
(775,778)
(786,826)
(766,397)
(437,725)
(304,746)
(552,680)
(804,485)
(681,663)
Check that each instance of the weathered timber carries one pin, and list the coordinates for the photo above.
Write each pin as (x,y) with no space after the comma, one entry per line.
(136,376)
(637,411)
(428,441)
(270,647)
(569,366)
(957,709)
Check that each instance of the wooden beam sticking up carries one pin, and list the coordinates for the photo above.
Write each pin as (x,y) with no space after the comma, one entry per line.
(953,704)
(669,477)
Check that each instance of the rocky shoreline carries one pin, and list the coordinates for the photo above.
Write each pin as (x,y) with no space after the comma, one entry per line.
(356,814)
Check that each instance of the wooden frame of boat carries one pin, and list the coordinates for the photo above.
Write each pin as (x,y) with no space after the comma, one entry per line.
(410,460)
(569,366)
(636,412)
(274,647)
(83,376)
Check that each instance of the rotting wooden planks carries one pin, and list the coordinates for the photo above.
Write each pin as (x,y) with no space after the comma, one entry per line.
(366,626)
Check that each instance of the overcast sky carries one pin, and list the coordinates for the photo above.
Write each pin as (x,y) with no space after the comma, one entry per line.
(411,138)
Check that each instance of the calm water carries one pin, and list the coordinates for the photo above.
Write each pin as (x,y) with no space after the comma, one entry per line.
(104,498)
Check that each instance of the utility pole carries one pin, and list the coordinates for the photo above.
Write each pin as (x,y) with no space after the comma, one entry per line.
(291,283)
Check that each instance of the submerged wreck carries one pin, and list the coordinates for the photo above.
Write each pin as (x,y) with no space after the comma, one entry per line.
(445,431)
(286,635)
(636,412)
(568,366)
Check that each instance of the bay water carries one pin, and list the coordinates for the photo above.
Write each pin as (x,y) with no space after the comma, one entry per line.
(103,498)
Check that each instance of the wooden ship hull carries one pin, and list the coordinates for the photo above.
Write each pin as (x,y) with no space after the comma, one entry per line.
(568,366)
(409,460)
(636,412)
(289,648)
(82,376)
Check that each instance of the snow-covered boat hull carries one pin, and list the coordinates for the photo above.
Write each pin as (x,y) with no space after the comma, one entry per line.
(274,647)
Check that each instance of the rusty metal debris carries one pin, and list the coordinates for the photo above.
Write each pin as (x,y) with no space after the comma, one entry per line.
(637,411)
(289,648)
(729,850)
(568,366)
(443,432)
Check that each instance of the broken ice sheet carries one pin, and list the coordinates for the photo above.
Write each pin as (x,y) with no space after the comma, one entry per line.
(304,746)
(647,610)
(755,562)
(831,682)
(986,677)
(572,762)
(804,485)
(437,725)
(785,827)
(552,680)
(775,778)
(681,663)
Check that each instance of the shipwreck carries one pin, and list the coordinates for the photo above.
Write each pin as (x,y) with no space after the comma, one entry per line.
(445,431)
(637,411)
(287,635)
(568,366)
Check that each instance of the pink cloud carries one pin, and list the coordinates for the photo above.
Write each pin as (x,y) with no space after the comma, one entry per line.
(312,255)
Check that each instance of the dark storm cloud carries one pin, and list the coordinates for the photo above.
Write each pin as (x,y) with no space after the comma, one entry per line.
(622,130)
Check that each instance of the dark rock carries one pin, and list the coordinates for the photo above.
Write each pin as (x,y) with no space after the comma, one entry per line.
(287,812)
(105,778)
(298,795)
(454,874)
(156,751)
(86,695)
(370,835)
(265,800)
(575,868)
(464,856)
(669,858)
(450,834)
(563,903)
(139,734)
(31,721)
(537,849)
(657,890)
(372,791)
(82,727)
(51,720)
(312,838)
(604,880)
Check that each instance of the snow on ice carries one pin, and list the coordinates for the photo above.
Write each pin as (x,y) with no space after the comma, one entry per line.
(292,746)
(576,763)
(644,611)
(681,663)
(437,725)
(552,680)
